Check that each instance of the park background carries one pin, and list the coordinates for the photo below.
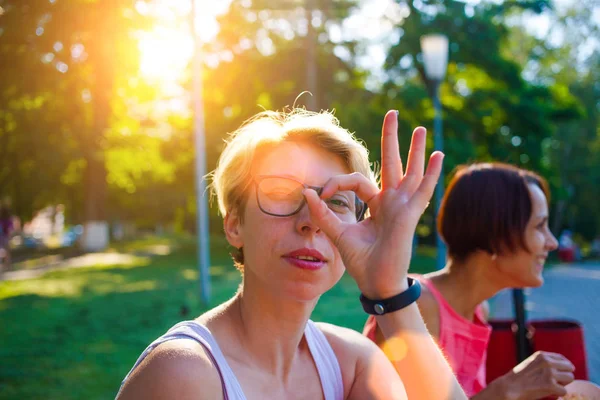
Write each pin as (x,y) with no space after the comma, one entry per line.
(97,124)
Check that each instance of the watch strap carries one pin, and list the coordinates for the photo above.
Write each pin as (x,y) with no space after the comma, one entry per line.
(395,303)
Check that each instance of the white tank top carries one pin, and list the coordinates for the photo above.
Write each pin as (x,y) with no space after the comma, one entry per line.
(322,353)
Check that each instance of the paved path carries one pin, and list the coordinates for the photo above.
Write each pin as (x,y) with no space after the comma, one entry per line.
(570,291)
(87,260)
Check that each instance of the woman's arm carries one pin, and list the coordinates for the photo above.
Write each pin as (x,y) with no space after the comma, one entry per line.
(416,357)
(394,349)
(542,375)
(430,312)
(377,253)
(178,369)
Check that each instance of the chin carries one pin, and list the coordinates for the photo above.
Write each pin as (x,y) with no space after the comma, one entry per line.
(536,281)
(302,291)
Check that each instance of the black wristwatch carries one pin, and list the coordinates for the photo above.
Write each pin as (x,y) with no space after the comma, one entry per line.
(395,303)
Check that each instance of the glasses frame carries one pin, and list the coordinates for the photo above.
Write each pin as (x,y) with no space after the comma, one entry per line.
(361,207)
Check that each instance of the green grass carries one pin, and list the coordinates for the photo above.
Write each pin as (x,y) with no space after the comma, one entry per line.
(74,334)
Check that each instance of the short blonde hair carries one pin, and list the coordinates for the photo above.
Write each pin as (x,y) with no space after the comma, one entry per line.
(233,175)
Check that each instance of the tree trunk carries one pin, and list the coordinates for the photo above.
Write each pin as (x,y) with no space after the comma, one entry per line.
(102,60)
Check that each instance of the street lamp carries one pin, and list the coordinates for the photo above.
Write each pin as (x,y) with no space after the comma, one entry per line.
(200,145)
(435,58)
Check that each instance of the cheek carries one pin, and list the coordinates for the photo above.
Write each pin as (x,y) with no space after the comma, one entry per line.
(536,241)
(264,235)
(513,264)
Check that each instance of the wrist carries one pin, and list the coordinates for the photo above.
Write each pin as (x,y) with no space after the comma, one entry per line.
(400,300)
(381,292)
(501,388)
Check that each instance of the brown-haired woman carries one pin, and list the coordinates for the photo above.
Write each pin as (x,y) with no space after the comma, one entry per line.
(494,220)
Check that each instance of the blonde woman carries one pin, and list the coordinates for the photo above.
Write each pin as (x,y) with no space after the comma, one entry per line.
(293,188)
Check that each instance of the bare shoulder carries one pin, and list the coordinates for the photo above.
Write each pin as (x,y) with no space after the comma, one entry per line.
(430,311)
(345,341)
(351,348)
(177,369)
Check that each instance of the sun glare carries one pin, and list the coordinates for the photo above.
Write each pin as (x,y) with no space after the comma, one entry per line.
(167,49)
(165,53)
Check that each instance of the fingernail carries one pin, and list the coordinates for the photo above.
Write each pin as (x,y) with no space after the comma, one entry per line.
(397,113)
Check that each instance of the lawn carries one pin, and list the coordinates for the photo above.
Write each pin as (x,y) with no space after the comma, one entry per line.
(74,334)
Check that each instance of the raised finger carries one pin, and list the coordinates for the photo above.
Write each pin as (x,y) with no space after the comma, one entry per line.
(425,190)
(561,362)
(416,159)
(325,219)
(356,182)
(563,365)
(391,164)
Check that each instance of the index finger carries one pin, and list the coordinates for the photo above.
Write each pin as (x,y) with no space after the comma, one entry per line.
(325,219)
(356,182)
(391,164)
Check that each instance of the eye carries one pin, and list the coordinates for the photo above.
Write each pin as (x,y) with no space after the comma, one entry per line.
(338,204)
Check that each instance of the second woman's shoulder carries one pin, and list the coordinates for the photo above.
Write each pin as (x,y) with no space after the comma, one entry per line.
(179,369)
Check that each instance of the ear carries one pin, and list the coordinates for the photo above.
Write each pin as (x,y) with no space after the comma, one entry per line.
(232,225)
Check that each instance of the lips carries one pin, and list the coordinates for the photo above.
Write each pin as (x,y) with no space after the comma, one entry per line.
(309,259)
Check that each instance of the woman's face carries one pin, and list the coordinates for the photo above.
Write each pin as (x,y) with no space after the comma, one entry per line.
(524,268)
(290,255)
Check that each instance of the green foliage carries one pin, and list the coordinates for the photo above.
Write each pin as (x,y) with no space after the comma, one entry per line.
(508,96)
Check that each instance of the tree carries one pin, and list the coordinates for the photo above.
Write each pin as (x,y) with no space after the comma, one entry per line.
(90,43)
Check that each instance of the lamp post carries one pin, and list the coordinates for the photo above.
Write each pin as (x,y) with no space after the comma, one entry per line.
(435,58)
(200,146)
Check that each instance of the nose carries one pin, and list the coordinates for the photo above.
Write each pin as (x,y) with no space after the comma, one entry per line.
(304,223)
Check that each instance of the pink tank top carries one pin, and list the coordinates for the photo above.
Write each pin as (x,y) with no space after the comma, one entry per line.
(463,342)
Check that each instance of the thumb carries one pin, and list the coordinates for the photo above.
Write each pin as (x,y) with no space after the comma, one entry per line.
(325,219)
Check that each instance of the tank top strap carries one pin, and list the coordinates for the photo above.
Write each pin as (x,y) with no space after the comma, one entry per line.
(431,287)
(445,307)
(199,333)
(326,362)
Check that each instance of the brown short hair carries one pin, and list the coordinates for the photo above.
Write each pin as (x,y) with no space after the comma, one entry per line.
(487,207)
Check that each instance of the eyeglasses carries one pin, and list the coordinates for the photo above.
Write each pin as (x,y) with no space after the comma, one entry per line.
(282,197)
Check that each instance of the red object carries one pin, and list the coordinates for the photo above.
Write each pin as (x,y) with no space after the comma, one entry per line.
(557,336)
(566,254)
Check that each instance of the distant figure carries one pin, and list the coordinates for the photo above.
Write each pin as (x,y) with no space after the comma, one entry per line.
(595,250)
(567,248)
(6,229)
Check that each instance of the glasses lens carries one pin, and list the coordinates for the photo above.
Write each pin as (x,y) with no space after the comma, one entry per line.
(361,208)
(279,196)
(283,197)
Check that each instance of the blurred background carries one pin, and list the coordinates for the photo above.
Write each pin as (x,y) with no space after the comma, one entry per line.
(100,121)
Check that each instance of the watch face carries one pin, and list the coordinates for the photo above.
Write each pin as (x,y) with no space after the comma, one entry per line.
(379,309)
